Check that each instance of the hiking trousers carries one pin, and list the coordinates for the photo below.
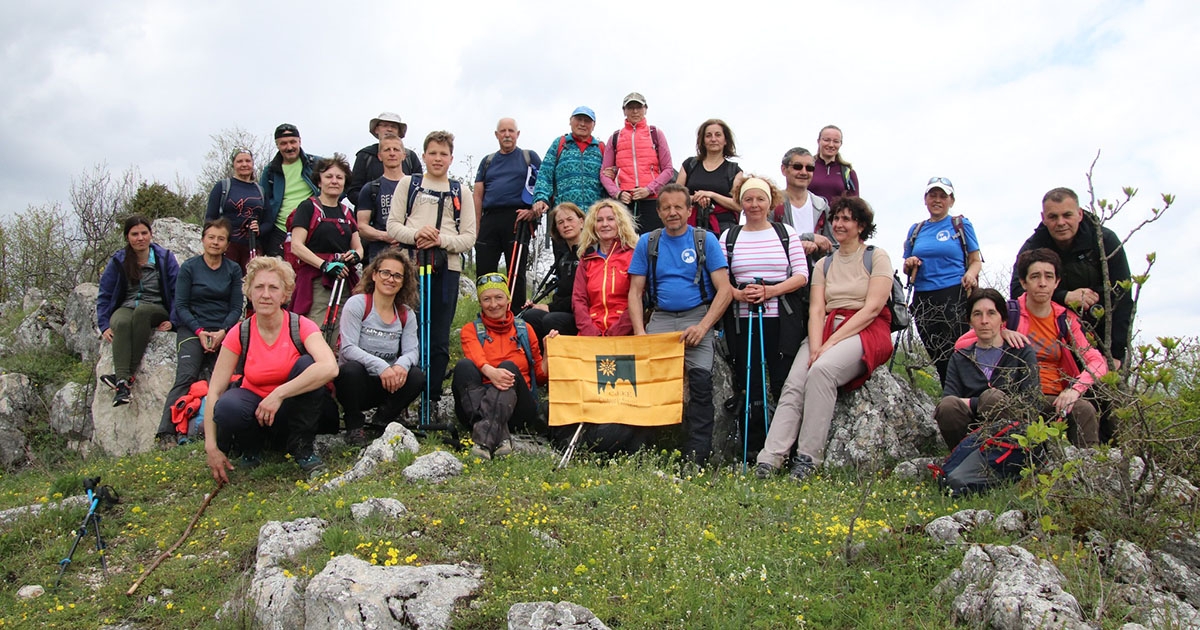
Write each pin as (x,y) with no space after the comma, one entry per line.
(132,328)
(358,391)
(192,360)
(296,420)
(497,235)
(941,319)
(524,416)
(699,411)
(955,418)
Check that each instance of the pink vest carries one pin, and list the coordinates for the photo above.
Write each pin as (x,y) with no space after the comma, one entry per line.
(636,159)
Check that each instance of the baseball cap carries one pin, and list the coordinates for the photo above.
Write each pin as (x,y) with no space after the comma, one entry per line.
(286,130)
(584,110)
(633,97)
(940,182)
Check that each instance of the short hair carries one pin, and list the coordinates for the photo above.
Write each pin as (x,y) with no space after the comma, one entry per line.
(1059,195)
(987,294)
(626,231)
(337,161)
(674,188)
(859,210)
(220,223)
(262,264)
(1040,255)
(794,152)
(444,137)
(838,157)
(552,217)
(408,290)
(776,193)
(389,137)
(730,149)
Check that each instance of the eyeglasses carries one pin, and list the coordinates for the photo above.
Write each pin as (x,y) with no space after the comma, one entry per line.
(803,167)
(488,278)
(398,276)
(939,180)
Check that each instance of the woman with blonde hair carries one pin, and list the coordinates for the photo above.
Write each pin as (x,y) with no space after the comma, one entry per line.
(835,176)
(601,296)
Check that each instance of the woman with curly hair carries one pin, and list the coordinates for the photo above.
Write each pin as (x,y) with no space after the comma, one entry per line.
(601,295)
(378,356)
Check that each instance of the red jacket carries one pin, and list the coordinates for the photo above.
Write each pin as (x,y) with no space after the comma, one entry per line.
(502,347)
(601,295)
(1095,366)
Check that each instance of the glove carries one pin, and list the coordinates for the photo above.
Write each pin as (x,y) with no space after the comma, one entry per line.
(333,268)
(352,258)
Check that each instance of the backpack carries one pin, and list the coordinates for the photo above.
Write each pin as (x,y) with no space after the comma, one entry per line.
(522,340)
(959,231)
(227,184)
(793,318)
(1064,329)
(244,335)
(414,187)
(849,183)
(653,141)
(896,305)
(562,142)
(651,299)
(987,457)
(318,217)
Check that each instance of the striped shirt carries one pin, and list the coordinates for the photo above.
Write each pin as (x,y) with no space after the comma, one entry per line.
(759,254)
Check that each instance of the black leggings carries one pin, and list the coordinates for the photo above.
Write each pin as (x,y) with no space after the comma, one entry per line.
(941,320)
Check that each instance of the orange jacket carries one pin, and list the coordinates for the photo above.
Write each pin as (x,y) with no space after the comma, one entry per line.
(500,345)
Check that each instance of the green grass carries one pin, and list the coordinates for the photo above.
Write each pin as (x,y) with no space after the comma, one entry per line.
(627,538)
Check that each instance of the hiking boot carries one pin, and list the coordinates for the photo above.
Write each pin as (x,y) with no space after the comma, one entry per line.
(165,441)
(763,470)
(802,467)
(356,437)
(480,452)
(504,449)
(250,460)
(311,465)
(110,380)
(123,395)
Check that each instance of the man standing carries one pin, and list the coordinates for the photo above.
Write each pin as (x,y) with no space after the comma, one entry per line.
(375,198)
(689,288)
(571,171)
(436,221)
(637,164)
(286,181)
(367,164)
(1071,234)
(807,212)
(503,196)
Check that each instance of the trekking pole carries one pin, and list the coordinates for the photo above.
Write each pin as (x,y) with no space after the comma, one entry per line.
(746,404)
(570,450)
(95,494)
(762,361)
(329,325)
(548,285)
(908,300)
(253,245)
(426,294)
(167,554)
(514,259)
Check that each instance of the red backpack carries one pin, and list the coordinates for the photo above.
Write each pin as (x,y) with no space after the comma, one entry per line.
(318,217)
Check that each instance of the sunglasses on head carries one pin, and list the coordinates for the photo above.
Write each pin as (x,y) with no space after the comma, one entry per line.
(803,167)
(488,278)
(939,180)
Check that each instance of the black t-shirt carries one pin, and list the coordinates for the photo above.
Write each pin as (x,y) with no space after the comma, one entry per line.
(332,234)
(719,181)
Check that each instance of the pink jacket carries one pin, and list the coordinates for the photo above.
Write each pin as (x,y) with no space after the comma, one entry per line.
(1095,365)
(636,162)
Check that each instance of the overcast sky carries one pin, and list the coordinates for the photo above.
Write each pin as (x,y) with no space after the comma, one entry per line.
(1008,99)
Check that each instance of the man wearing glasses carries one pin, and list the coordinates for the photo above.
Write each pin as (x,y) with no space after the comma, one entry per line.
(286,181)
(805,211)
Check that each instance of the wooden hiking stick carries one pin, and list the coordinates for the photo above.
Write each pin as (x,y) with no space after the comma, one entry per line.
(167,554)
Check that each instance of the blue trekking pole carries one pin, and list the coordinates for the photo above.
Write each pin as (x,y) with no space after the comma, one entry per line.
(746,405)
(426,294)
(762,363)
(96,494)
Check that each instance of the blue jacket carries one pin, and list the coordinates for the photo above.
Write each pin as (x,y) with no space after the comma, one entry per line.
(113,283)
(273,173)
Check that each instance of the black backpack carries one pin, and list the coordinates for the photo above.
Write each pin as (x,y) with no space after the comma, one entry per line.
(793,318)
(901,316)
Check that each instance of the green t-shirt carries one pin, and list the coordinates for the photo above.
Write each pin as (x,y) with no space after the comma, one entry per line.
(295,190)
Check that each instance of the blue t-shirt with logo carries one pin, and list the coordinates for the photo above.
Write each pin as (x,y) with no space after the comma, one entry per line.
(675,272)
(506,177)
(941,253)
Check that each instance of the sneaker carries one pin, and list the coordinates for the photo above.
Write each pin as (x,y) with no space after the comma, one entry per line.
(356,437)
(763,470)
(802,467)
(504,450)
(311,465)
(123,395)
(109,380)
(250,460)
(480,452)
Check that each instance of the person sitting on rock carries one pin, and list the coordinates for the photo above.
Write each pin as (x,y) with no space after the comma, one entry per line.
(208,302)
(137,297)
(377,360)
(284,364)
(987,379)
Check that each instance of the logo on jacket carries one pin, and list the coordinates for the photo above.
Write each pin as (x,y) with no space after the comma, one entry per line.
(613,368)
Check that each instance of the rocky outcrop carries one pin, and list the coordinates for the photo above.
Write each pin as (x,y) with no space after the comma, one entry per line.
(384,507)
(549,616)
(79,322)
(1009,589)
(39,329)
(352,593)
(435,467)
(71,415)
(884,421)
(130,428)
(395,440)
(183,239)
(949,529)
(17,403)
(276,592)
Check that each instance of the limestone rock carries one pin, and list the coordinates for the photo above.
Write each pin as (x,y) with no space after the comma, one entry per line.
(916,469)
(351,593)
(79,322)
(1156,609)
(385,507)
(41,326)
(1011,522)
(1009,589)
(548,615)
(11,514)
(949,529)
(70,414)
(277,540)
(435,467)
(30,591)
(1177,577)
(278,597)
(885,419)
(17,402)
(1129,564)
(395,440)
(183,239)
(130,428)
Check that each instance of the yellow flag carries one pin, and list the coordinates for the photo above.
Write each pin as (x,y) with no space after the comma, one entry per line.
(625,380)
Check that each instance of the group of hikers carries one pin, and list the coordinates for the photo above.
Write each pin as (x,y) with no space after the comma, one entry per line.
(639,247)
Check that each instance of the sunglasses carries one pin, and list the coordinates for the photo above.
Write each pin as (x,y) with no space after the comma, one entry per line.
(398,276)
(939,180)
(811,168)
(489,278)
